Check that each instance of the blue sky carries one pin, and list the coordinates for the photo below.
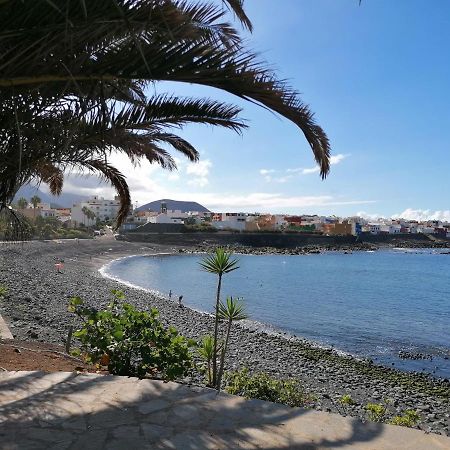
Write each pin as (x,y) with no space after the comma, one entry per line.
(378,78)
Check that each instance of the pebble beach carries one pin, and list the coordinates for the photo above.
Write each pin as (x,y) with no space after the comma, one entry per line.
(35,309)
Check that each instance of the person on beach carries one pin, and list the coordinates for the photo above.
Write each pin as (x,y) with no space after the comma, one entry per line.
(180,301)
(59,266)
(170,293)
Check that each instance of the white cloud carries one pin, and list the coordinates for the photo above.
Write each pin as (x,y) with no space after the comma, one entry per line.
(368,216)
(311,170)
(262,201)
(335,159)
(173,176)
(200,170)
(424,214)
(284,179)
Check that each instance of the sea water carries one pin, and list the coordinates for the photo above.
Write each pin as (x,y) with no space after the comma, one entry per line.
(369,304)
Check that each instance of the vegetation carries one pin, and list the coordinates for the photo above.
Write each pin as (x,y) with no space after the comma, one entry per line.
(347,400)
(3,291)
(80,93)
(229,312)
(206,352)
(35,200)
(13,225)
(218,263)
(263,387)
(409,418)
(203,227)
(51,228)
(22,203)
(88,214)
(131,342)
(376,411)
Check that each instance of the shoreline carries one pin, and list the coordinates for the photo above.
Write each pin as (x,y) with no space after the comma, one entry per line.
(247,324)
(36,309)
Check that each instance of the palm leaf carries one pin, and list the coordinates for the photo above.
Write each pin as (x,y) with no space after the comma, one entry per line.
(219,262)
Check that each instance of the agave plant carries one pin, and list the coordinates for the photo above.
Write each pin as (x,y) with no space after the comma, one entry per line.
(230,311)
(219,263)
(75,78)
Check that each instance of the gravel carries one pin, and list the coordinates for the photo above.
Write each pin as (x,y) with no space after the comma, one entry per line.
(35,308)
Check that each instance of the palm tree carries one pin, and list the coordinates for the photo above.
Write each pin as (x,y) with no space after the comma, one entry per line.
(206,352)
(74,78)
(91,215)
(22,203)
(218,263)
(85,210)
(35,200)
(230,311)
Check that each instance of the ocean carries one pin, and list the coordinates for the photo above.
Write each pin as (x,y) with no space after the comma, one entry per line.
(368,304)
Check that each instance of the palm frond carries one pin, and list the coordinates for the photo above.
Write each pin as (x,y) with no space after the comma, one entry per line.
(219,262)
(117,180)
(237,6)
(233,309)
(52,176)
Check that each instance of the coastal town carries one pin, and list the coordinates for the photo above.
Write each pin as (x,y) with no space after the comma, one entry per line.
(162,216)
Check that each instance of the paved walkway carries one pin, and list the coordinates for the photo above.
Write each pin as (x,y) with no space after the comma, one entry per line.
(72,411)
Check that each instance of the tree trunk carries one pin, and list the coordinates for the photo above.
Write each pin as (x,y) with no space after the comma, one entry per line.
(216,331)
(222,357)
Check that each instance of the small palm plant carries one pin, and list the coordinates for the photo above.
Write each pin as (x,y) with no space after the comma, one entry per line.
(231,311)
(220,262)
(206,352)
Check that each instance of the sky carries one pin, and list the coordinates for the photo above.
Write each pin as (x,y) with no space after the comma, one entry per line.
(377,76)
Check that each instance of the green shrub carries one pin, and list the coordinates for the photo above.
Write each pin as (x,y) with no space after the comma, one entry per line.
(131,342)
(346,399)
(264,387)
(409,418)
(3,290)
(376,411)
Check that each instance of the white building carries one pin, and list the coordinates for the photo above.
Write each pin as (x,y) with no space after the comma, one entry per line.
(234,221)
(391,229)
(374,228)
(104,210)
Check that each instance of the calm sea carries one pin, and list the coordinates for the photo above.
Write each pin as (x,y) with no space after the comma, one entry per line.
(371,304)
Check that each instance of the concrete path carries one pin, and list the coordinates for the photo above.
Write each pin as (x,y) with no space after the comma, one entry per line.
(72,411)
(4,330)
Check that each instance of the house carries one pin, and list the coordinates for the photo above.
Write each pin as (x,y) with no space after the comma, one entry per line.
(234,221)
(344,228)
(42,210)
(103,209)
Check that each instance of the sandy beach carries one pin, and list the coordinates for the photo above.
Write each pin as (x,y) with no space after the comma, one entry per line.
(36,309)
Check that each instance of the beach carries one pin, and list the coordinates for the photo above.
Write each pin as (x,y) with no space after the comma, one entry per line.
(36,309)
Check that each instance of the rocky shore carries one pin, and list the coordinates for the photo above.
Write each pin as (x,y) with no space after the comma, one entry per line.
(36,309)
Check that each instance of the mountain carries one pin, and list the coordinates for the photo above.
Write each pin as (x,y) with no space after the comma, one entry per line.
(65,200)
(173,205)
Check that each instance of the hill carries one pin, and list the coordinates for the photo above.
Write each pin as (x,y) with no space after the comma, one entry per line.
(173,205)
(65,200)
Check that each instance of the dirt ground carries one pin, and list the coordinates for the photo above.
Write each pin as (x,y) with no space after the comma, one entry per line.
(21,355)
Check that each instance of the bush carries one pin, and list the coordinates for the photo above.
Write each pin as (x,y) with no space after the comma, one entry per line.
(131,342)
(376,411)
(409,418)
(3,291)
(346,399)
(264,387)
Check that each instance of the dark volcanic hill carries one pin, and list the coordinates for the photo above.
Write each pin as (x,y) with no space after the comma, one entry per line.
(173,205)
(65,200)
